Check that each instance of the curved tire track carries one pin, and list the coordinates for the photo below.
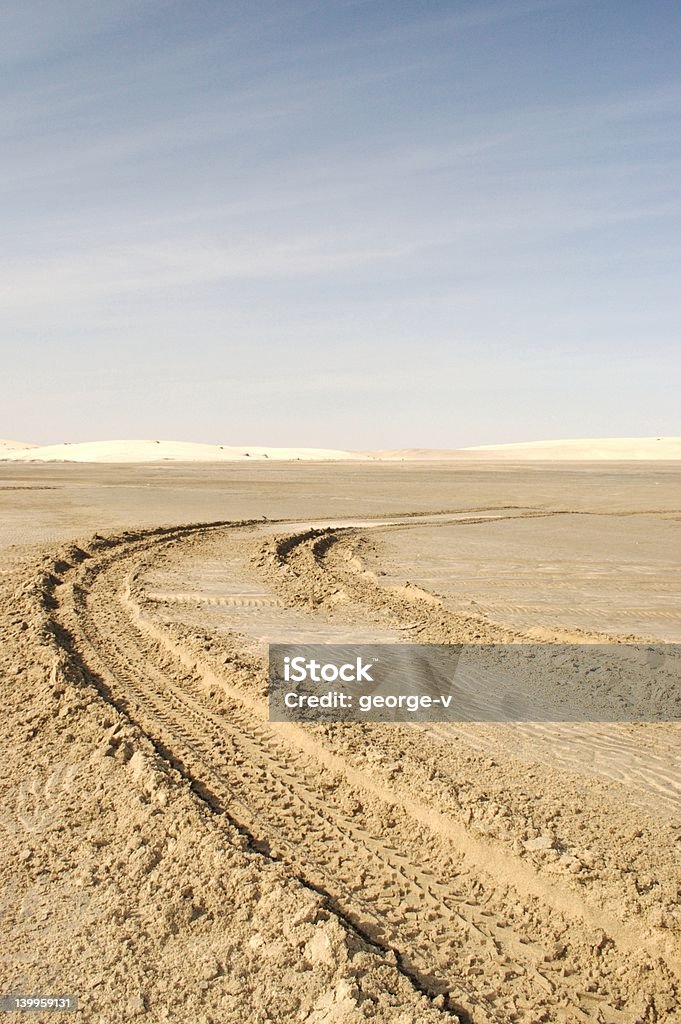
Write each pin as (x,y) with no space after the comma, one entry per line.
(450,932)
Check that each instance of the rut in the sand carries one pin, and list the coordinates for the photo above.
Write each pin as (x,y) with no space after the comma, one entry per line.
(452,930)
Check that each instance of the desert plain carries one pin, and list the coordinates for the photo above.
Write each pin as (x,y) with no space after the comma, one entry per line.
(168,854)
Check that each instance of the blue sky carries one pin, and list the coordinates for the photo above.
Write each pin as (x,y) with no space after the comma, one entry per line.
(347,223)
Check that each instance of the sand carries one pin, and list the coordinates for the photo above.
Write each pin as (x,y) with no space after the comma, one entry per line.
(162,451)
(589,448)
(170,855)
(580,450)
(12,446)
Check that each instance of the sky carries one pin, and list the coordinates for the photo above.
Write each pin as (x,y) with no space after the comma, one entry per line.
(340,223)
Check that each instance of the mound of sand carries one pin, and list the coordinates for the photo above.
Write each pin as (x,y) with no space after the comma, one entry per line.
(166,451)
(577,450)
(586,448)
(12,446)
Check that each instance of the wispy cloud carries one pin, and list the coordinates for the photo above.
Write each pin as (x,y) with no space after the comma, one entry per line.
(86,277)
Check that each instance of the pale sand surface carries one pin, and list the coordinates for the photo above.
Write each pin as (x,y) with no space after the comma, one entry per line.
(131,451)
(169,854)
(57,502)
(645,448)
(585,449)
(162,451)
(616,573)
(11,446)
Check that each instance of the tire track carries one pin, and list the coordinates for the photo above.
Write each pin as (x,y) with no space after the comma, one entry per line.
(243,769)
(260,785)
(235,601)
(450,932)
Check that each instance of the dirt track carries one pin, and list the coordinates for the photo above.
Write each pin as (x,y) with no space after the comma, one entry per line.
(466,883)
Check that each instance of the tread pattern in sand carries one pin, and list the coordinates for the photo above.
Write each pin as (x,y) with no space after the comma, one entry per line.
(454,929)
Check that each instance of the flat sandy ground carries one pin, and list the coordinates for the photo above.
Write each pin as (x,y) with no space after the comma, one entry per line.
(170,855)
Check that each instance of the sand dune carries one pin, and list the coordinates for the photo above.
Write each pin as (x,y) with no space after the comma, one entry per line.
(585,448)
(166,451)
(578,449)
(11,446)
(575,449)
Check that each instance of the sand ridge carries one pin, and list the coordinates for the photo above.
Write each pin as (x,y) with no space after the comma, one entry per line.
(587,448)
(13,446)
(149,451)
(167,451)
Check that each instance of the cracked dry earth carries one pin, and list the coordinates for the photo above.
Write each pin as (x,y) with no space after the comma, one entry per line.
(177,857)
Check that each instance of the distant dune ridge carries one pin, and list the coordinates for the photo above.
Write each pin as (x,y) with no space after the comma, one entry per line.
(162,451)
(9,446)
(645,448)
(579,449)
